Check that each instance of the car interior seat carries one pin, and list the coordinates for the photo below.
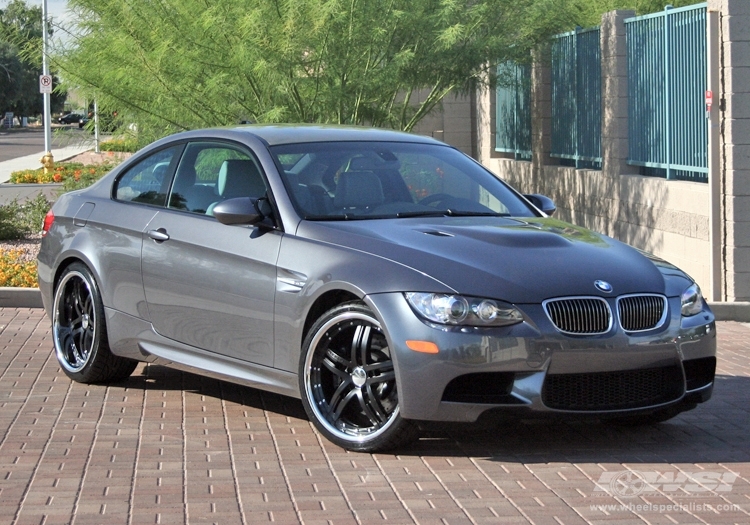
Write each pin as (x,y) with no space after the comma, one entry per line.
(238,178)
(358,189)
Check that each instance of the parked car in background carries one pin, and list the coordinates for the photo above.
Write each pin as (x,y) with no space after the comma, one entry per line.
(383,278)
(70,118)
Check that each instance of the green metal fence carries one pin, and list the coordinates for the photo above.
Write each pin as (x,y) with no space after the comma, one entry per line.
(577,98)
(667,126)
(513,110)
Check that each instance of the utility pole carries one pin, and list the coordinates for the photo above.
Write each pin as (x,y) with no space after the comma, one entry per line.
(45,84)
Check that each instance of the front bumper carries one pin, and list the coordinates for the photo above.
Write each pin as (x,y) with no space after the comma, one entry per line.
(531,368)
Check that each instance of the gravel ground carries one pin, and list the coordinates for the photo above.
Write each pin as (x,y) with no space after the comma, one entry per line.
(29,247)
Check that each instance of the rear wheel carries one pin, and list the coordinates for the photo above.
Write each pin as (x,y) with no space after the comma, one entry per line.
(348,382)
(79,331)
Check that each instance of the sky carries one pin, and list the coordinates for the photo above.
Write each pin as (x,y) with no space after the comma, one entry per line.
(56,8)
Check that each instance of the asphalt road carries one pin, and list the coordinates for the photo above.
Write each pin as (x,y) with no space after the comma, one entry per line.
(26,141)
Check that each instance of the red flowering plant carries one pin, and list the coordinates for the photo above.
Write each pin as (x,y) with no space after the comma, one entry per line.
(72,175)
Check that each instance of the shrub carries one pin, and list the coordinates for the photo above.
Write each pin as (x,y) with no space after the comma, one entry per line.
(125,144)
(85,176)
(22,220)
(63,172)
(15,271)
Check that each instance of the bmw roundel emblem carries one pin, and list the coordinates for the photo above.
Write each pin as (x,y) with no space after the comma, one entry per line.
(604,286)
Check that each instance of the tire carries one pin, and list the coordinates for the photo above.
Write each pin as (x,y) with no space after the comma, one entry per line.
(79,330)
(348,382)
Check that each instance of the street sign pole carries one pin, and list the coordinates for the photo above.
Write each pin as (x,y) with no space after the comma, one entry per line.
(96,126)
(47,160)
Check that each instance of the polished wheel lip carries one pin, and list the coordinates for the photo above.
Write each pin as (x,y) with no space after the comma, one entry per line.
(74,361)
(310,388)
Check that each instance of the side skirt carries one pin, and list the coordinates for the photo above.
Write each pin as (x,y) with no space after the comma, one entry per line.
(135,338)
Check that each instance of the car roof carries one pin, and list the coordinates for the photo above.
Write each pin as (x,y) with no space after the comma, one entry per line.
(275,135)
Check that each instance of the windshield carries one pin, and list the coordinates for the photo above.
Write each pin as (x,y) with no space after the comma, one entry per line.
(375,180)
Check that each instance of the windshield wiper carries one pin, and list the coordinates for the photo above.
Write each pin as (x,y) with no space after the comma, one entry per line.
(424,213)
(460,213)
(406,215)
(341,217)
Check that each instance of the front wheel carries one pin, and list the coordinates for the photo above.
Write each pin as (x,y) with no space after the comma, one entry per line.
(348,382)
(79,331)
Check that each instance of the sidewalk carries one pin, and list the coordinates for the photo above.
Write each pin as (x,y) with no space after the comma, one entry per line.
(33,161)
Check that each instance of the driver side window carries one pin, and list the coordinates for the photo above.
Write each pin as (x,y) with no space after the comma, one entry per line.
(209,173)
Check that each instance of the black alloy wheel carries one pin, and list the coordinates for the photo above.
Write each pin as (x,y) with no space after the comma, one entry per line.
(79,331)
(348,381)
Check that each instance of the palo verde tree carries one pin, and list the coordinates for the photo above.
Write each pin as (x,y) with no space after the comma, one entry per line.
(180,64)
(590,11)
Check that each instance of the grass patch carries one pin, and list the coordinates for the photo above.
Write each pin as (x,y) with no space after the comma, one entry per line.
(124,144)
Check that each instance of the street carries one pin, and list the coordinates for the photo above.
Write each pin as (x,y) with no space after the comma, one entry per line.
(27,141)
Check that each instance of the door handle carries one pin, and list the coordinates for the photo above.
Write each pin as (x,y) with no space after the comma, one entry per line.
(159,235)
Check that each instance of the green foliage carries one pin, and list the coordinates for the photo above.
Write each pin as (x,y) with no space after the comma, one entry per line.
(124,144)
(21,60)
(20,220)
(172,65)
(85,177)
(590,11)
(68,173)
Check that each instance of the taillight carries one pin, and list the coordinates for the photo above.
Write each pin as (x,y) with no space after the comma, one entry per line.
(48,220)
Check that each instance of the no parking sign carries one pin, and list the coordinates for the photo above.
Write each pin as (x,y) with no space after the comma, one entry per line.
(45,84)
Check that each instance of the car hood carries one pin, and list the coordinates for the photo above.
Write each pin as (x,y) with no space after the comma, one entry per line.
(516,260)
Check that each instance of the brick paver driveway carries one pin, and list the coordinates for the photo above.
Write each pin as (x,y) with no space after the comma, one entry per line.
(171,447)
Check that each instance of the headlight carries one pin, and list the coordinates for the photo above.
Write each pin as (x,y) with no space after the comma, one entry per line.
(462,311)
(692,300)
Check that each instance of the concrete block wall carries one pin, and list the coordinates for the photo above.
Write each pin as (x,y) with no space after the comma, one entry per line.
(734,144)
(667,218)
(452,122)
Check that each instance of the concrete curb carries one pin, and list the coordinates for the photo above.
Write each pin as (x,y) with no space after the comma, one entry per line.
(32,298)
(738,311)
(20,297)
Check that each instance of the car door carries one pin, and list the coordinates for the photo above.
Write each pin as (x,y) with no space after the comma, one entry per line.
(207,284)
(141,191)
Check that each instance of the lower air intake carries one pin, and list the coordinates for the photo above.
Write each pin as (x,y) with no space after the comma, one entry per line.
(601,391)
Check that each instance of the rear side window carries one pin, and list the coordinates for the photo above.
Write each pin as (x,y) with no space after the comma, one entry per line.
(145,182)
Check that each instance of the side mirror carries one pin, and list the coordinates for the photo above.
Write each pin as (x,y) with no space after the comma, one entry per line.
(242,210)
(542,202)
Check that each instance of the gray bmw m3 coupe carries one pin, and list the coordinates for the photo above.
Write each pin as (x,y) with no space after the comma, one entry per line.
(383,278)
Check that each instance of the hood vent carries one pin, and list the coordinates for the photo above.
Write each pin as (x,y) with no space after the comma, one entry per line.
(438,233)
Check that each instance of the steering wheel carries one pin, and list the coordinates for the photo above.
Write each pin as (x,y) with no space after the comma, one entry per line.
(435,197)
